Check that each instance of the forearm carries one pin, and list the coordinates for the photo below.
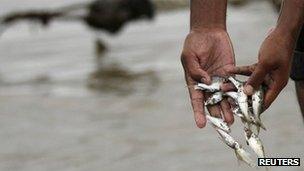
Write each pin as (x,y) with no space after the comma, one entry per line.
(208,14)
(291,17)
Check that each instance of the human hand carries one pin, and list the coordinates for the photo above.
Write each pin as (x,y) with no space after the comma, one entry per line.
(273,67)
(206,53)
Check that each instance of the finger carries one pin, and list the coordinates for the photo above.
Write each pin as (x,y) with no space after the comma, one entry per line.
(271,94)
(231,102)
(274,90)
(215,111)
(247,71)
(197,102)
(255,80)
(227,113)
(228,87)
(192,66)
(242,70)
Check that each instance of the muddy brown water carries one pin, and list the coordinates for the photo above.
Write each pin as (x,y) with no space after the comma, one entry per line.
(138,117)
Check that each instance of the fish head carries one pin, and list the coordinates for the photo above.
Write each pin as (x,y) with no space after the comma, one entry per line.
(218,79)
(248,132)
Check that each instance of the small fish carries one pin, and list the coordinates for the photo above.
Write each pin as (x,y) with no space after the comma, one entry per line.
(239,151)
(238,84)
(242,99)
(243,104)
(257,106)
(226,138)
(208,88)
(214,98)
(231,94)
(243,155)
(257,101)
(213,87)
(255,143)
(219,123)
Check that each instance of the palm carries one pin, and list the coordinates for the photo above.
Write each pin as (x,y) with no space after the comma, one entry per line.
(220,58)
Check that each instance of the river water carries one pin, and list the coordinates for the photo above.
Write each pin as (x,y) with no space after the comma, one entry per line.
(58,113)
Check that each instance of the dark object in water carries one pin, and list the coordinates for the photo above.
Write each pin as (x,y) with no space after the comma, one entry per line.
(40,16)
(111,15)
(107,15)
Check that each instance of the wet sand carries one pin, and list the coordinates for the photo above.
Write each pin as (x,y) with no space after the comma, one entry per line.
(50,119)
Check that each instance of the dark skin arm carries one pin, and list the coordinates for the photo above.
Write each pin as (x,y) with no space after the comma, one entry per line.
(207,52)
(275,55)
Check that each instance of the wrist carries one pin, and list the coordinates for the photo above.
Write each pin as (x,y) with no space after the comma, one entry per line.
(286,34)
(208,14)
(209,28)
(298,3)
(284,42)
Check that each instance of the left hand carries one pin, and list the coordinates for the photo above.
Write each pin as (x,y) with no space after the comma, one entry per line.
(274,63)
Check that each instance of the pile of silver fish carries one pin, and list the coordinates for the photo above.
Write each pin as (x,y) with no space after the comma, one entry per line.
(247,108)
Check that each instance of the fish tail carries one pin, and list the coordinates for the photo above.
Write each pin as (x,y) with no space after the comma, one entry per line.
(238,158)
(262,125)
(258,130)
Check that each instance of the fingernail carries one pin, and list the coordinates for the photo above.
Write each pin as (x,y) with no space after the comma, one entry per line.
(205,81)
(200,124)
(248,90)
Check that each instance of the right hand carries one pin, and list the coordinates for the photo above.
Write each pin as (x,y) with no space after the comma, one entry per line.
(206,53)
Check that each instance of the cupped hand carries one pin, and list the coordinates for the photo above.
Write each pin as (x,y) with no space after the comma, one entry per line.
(207,53)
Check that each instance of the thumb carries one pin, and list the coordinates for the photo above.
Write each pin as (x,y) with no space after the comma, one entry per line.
(255,80)
(193,68)
(200,75)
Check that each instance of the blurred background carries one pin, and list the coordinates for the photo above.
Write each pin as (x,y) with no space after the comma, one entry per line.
(77,94)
